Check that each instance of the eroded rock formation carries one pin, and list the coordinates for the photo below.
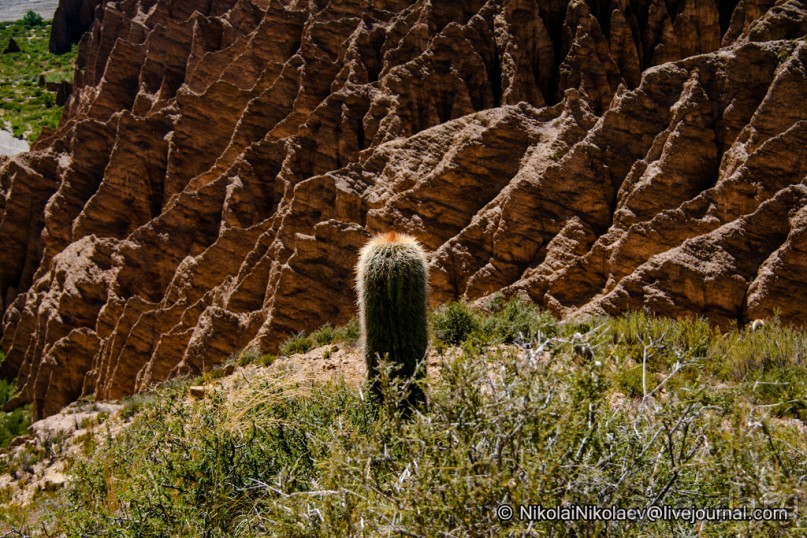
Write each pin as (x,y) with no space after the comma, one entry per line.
(219,164)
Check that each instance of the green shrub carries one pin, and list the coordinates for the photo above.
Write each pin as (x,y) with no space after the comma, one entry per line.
(783,389)
(500,428)
(7,389)
(191,468)
(32,19)
(245,356)
(211,374)
(13,423)
(630,382)
(743,355)
(348,334)
(453,323)
(266,359)
(324,335)
(299,343)
(719,424)
(517,319)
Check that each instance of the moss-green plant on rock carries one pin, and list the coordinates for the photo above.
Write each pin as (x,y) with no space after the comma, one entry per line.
(391,281)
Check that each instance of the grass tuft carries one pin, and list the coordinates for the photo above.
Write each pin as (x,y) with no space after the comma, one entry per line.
(348,334)
(299,343)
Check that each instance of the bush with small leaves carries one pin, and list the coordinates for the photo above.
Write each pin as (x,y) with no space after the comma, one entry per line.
(453,323)
(32,19)
(12,423)
(517,319)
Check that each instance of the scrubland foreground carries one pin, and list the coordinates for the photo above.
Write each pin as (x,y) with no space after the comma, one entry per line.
(630,412)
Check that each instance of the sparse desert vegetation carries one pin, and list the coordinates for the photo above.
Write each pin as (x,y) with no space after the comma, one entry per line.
(630,412)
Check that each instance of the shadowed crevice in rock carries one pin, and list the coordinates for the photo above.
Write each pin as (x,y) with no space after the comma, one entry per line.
(71,20)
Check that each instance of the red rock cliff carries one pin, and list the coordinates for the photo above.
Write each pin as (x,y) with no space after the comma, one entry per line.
(220,163)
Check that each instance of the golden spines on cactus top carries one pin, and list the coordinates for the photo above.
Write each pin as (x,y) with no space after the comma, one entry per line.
(393,237)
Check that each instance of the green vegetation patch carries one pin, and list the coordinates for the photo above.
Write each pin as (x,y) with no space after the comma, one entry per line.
(327,334)
(24,104)
(16,422)
(453,323)
(498,322)
(298,343)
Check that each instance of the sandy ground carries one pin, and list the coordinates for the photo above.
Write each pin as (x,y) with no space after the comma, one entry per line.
(14,10)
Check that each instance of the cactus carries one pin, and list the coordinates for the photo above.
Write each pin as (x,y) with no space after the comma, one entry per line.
(391,281)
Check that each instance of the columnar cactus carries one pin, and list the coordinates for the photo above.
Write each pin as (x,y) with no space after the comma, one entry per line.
(391,280)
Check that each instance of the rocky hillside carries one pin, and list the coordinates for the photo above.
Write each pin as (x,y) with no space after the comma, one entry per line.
(220,163)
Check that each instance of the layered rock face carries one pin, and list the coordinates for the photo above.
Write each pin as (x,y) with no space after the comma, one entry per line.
(220,163)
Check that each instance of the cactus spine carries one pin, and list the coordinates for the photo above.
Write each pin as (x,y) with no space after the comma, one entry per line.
(391,281)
